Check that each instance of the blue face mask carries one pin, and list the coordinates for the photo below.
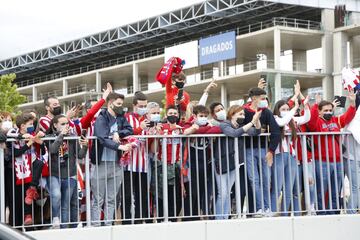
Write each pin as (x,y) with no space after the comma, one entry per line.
(155,118)
(201,121)
(30,129)
(263,104)
(141,111)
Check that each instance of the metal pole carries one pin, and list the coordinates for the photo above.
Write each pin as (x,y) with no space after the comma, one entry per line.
(237,178)
(2,186)
(87,189)
(165,179)
(306,176)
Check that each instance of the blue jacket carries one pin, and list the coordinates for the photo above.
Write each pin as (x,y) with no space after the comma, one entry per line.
(102,128)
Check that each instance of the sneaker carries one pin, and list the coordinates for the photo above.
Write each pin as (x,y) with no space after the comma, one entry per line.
(56,223)
(31,194)
(269,213)
(259,213)
(28,220)
(313,212)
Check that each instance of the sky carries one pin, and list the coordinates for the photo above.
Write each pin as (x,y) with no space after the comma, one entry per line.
(28,25)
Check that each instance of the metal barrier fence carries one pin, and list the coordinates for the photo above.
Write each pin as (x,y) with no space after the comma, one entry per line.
(179,178)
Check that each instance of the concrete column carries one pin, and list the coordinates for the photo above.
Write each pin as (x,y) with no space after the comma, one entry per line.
(224,96)
(221,68)
(277,48)
(65,87)
(299,60)
(327,21)
(34,94)
(98,83)
(355,51)
(350,59)
(277,87)
(136,80)
(340,40)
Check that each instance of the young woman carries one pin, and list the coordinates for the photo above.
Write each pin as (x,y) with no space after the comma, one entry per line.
(224,155)
(62,162)
(283,171)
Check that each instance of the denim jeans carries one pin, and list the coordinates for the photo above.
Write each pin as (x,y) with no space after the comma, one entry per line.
(62,198)
(328,172)
(352,171)
(283,173)
(224,183)
(258,173)
(299,187)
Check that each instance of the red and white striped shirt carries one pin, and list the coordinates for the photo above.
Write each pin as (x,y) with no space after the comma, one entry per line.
(172,144)
(44,123)
(139,156)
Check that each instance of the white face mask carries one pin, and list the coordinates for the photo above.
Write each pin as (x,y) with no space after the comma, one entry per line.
(283,113)
(141,111)
(263,104)
(201,121)
(155,118)
(6,125)
(221,115)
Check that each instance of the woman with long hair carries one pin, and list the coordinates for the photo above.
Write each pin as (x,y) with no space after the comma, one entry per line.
(283,171)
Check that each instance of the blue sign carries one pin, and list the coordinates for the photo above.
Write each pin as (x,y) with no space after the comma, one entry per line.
(217,48)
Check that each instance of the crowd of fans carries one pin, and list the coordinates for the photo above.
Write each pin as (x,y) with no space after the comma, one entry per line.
(263,147)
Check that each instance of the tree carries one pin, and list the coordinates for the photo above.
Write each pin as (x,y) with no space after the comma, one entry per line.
(10,98)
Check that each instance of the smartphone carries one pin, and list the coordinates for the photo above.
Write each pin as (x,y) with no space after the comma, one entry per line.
(263,76)
(83,133)
(180,94)
(341,99)
(151,124)
(72,104)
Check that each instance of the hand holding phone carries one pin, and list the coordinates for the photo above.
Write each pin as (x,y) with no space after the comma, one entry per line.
(341,100)
(83,134)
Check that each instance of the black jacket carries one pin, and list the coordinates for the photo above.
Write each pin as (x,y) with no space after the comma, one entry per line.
(102,131)
(67,168)
(269,123)
(226,151)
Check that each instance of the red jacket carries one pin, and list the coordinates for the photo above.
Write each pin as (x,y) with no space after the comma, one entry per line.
(317,124)
(202,129)
(171,92)
(86,120)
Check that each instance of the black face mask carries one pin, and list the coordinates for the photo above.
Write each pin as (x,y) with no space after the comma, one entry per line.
(172,119)
(328,116)
(56,111)
(240,120)
(119,111)
(179,84)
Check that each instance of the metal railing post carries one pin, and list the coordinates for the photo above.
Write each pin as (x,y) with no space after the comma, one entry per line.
(306,174)
(2,186)
(165,179)
(87,190)
(237,178)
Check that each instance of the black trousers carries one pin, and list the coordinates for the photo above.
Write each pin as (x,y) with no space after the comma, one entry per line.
(136,187)
(37,167)
(195,188)
(174,200)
